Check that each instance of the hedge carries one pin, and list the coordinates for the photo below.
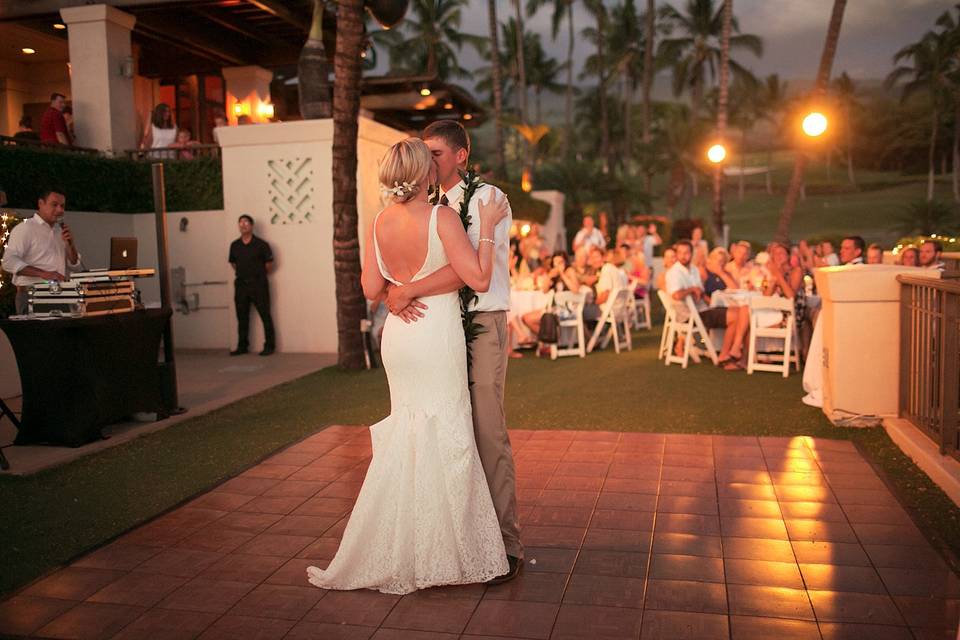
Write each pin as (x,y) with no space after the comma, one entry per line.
(523,205)
(115,185)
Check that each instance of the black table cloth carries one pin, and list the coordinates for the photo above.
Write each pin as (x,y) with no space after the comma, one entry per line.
(81,374)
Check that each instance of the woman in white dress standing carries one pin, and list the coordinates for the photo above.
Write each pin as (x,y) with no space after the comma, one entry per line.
(424,516)
(161,131)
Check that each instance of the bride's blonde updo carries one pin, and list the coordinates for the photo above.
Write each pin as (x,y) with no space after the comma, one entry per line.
(405,170)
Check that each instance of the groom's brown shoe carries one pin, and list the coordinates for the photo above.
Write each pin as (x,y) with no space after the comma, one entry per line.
(513,571)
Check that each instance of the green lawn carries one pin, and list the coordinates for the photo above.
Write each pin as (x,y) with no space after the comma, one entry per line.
(54,516)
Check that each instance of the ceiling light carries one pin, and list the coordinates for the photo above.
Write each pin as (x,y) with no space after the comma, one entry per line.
(425,91)
(28,51)
(468,116)
(59,25)
(448,105)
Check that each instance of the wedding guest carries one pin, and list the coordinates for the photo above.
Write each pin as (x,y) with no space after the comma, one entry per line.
(160,132)
(648,238)
(808,257)
(828,258)
(783,279)
(852,249)
(589,236)
(717,277)
(929,255)
(531,247)
(874,254)
(612,278)
(68,119)
(41,248)
(560,277)
(219,120)
(700,259)
(25,130)
(669,259)
(184,143)
(637,271)
(586,274)
(251,259)
(910,257)
(53,126)
(626,234)
(244,119)
(683,281)
(603,223)
(698,241)
(739,266)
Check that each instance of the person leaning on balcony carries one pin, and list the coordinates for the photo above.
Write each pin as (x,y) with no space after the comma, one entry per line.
(874,254)
(252,260)
(930,252)
(852,249)
(41,248)
(910,257)
(25,130)
(161,132)
(53,126)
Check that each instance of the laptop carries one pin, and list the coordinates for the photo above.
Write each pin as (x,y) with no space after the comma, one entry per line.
(123,254)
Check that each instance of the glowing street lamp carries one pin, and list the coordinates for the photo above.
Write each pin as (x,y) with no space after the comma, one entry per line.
(716,154)
(814,124)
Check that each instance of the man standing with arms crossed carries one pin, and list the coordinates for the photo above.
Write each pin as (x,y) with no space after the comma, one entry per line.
(450,145)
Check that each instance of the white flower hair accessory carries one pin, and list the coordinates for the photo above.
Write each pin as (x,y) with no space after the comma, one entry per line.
(398,190)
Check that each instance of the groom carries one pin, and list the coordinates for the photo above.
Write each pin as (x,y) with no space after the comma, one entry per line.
(450,145)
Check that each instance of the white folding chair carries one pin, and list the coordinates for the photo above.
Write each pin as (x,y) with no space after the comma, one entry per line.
(689,331)
(569,309)
(639,312)
(669,316)
(616,317)
(784,331)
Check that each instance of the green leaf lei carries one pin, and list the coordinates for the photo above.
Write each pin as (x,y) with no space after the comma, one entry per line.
(471,328)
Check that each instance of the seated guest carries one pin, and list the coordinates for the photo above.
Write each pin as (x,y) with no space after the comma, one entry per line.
(41,248)
(739,266)
(669,259)
(25,130)
(560,277)
(808,257)
(700,259)
(698,241)
(637,270)
(910,257)
(852,249)
(827,256)
(783,278)
(586,274)
(648,239)
(874,254)
(717,277)
(683,281)
(626,234)
(929,255)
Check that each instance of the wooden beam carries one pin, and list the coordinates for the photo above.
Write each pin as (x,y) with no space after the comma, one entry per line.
(228,22)
(283,12)
(177,33)
(14,9)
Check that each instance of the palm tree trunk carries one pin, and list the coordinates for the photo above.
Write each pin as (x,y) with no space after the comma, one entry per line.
(722,115)
(314,86)
(521,65)
(849,126)
(648,84)
(627,126)
(351,308)
(497,79)
(604,121)
(820,88)
(568,106)
(956,150)
(935,120)
(743,161)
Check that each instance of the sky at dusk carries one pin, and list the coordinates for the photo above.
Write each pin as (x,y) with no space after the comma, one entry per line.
(793,32)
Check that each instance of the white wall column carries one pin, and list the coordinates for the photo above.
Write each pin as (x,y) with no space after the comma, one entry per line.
(100,61)
(248,91)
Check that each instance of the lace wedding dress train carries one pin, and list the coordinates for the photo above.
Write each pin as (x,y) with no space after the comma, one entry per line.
(424,516)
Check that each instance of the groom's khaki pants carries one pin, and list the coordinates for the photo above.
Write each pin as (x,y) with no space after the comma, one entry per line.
(488,371)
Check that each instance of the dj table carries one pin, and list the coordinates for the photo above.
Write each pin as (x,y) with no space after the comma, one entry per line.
(81,374)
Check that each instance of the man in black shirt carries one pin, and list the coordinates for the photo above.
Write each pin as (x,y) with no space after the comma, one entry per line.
(252,260)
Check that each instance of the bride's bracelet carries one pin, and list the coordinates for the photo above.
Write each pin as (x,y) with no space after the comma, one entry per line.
(488,240)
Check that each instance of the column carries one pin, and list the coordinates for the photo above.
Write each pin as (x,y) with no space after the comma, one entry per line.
(101,77)
(248,93)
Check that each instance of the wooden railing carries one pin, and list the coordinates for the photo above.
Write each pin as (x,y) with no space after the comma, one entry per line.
(930,359)
(29,143)
(190,152)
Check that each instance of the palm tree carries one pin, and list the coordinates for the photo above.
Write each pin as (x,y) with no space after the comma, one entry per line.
(312,71)
(951,30)
(542,73)
(845,91)
(496,78)
(746,99)
(627,57)
(697,52)
(726,22)
(561,9)
(430,39)
(932,60)
(598,36)
(819,89)
(351,307)
(650,27)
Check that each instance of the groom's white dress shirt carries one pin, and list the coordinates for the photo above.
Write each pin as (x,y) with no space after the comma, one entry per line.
(497,297)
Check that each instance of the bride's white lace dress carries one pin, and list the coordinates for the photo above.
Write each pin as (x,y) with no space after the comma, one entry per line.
(424,516)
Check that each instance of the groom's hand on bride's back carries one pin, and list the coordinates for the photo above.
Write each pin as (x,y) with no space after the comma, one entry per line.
(402,305)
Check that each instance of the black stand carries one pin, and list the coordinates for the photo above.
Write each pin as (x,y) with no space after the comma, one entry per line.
(5,411)
(168,370)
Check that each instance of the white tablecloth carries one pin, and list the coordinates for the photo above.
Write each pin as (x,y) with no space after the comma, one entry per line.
(522,302)
(813,369)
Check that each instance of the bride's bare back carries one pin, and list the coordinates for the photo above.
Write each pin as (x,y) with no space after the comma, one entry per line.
(402,235)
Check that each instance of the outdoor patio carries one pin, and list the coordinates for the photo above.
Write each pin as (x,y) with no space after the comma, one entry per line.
(628,535)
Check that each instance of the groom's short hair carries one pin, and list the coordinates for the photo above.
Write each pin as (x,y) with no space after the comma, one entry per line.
(451,132)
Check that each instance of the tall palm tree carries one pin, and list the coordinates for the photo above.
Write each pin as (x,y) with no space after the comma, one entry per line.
(727,23)
(542,74)
(745,110)
(932,60)
(845,91)
(697,52)
(562,9)
(351,307)
(649,35)
(598,36)
(819,89)
(519,47)
(430,40)
(627,58)
(496,78)
(951,29)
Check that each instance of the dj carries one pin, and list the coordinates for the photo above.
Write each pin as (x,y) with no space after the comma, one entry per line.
(41,248)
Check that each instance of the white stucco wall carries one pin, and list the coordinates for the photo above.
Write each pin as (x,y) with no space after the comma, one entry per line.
(554,230)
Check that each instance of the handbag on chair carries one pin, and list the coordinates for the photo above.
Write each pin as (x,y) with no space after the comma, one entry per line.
(549,328)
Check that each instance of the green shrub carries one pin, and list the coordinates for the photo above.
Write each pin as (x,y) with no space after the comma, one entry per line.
(115,185)
(523,205)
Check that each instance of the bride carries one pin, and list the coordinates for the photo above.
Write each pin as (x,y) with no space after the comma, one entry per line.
(424,516)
